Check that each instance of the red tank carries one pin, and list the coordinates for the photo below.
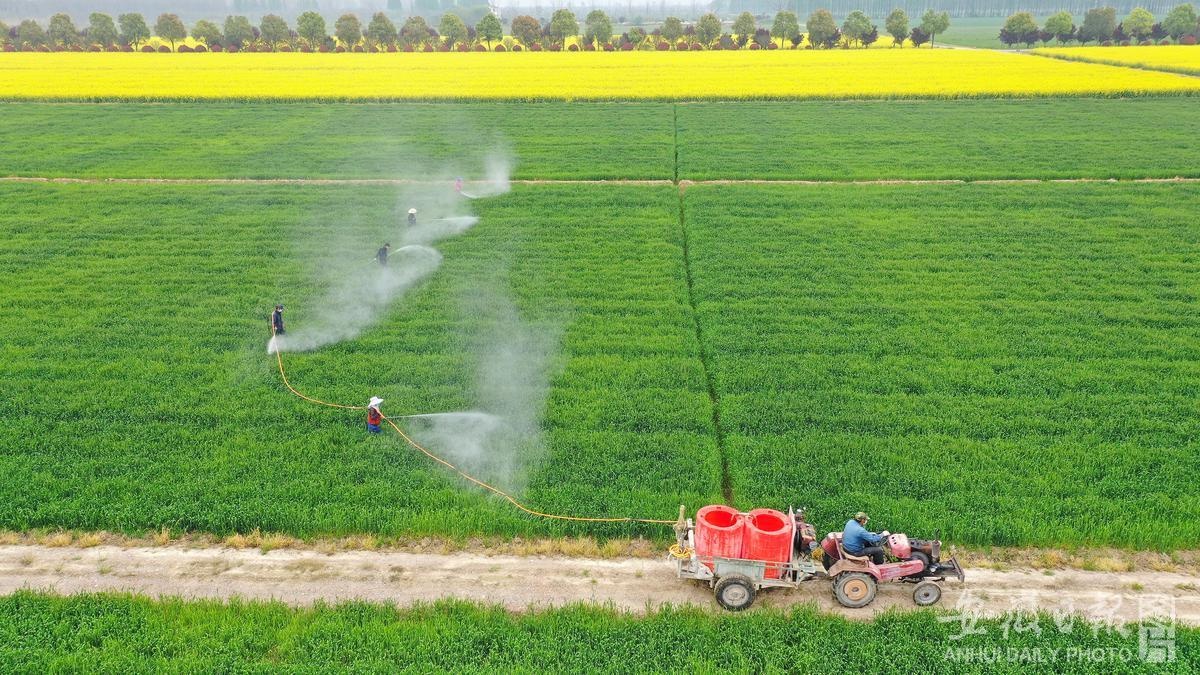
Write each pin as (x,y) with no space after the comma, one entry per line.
(719,532)
(767,536)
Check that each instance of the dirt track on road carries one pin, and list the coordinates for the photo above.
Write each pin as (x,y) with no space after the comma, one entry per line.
(300,577)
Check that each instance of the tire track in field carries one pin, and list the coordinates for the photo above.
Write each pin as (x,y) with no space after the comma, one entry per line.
(518,583)
(619,181)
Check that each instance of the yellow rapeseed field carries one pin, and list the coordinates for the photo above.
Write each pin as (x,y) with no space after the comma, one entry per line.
(1174,58)
(784,74)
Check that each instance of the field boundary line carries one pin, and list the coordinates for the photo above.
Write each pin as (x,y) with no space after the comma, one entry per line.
(714,398)
(68,180)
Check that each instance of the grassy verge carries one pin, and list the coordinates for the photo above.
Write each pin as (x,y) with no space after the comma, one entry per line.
(119,632)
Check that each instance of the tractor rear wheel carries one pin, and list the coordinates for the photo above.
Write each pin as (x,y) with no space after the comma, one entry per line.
(927,593)
(854,589)
(735,592)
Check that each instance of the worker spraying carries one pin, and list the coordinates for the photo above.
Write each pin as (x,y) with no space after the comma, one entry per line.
(458,185)
(412,217)
(277,321)
(374,417)
(381,255)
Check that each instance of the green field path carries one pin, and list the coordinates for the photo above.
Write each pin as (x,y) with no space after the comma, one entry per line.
(138,392)
(1009,364)
(835,141)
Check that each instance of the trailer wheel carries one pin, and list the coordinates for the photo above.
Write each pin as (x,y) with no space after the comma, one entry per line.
(927,593)
(854,589)
(735,592)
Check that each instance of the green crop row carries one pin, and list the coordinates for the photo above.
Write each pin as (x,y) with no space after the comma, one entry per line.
(1059,138)
(1004,364)
(44,633)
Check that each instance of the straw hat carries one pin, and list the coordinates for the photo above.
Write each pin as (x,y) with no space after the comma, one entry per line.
(375,401)
(412,212)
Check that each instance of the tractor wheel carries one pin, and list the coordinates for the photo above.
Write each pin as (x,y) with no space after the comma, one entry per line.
(927,593)
(924,560)
(735,592)
(854,589)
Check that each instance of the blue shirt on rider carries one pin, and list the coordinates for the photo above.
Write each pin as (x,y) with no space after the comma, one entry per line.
(855,537)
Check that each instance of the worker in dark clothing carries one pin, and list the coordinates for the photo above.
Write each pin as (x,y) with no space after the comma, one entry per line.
(374,417)
(412,217)
(277,320)
(382,254)
(857,540)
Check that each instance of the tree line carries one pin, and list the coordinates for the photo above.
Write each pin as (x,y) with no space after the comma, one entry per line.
(130,32)
(1100,25)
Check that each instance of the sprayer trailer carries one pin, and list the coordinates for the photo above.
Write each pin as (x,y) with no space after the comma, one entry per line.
(736,581)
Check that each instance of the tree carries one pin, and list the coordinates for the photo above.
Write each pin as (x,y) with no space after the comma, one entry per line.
(1180,21)
(273,30)
(897,26)
(1061,26)
(785,27)
(672,29)
(380,30)
(597,27)
(238,31)
(453,29)
(526,29)
(563,25)
(856,26)
(310,26)
(708,29)
(31,34)
(490,30)
(348,30)
(414,33)
(918,36)
(170,28)
(3,34)
(1139,23)
(821,28)
(743,28)
(134,30)
(1099,24)
(61,31)
(101,29)
(207,33)
(870,37)
(934,22)
(1021,27)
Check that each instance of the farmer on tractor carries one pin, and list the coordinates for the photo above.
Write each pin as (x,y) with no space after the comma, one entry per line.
(857,540)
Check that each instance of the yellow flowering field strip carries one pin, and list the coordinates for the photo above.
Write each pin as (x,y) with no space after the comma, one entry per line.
(599,76)
(1171,58)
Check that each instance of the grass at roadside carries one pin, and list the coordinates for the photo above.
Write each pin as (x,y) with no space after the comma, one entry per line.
(123,633)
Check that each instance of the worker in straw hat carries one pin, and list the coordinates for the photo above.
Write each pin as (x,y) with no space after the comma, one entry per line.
(412,217)
(858,540)
(374,417)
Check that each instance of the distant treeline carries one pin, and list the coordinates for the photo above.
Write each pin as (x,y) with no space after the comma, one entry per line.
(1101,25)
(562,31)
(635,12)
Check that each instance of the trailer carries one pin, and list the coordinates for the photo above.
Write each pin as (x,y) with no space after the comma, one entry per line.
(737,581)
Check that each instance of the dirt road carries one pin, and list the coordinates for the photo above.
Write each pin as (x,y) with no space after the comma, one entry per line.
(303,577)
